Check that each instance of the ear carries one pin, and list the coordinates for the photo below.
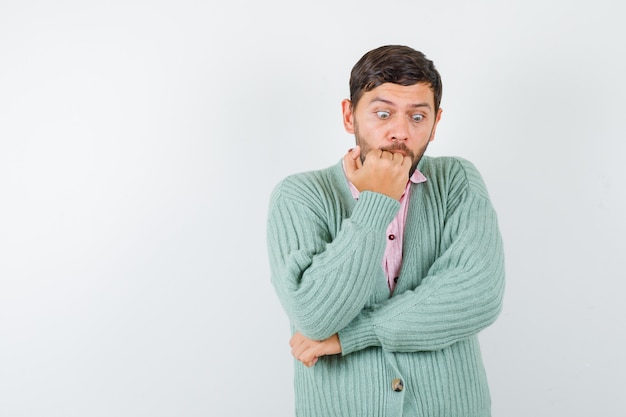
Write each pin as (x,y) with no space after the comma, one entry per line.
(348,115)
(437,119)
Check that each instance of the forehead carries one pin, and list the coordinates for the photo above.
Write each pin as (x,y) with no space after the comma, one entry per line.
(400,95)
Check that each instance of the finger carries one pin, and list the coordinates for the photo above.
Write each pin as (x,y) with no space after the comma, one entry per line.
(354,152)
(407,160)
(306,349)
(352,161)
(298,343)
(297,351)
(397,158)
(374,154)
(309,355)
(349,163)
(310,363)
(356,155)
(295,339)
(300,348)
(297,348)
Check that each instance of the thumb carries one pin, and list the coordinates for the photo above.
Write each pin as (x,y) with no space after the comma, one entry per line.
(352,161)
(356,155)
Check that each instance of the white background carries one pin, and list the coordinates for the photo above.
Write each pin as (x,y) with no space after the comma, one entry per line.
(139,143)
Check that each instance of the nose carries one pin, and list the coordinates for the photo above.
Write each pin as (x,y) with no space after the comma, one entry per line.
(400,129)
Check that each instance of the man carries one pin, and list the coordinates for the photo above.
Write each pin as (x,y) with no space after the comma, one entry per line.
(389,263)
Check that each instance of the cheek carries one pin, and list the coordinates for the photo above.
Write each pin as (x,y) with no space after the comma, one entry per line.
(420,141)
(422,133)
(375,131)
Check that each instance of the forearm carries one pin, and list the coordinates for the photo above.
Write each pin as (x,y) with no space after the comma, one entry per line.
(461,295)
(323,282)
(425,319)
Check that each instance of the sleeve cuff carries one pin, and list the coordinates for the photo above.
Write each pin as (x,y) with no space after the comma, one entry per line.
(358,335)
(375,210)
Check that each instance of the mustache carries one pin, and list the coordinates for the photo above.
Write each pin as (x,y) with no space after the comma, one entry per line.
(398,147)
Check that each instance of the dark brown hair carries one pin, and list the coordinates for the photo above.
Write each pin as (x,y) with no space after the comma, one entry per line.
(393,64)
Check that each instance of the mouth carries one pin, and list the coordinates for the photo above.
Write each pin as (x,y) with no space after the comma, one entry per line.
(401,151)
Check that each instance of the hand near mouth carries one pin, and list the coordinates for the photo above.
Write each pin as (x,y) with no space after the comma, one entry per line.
(383,171)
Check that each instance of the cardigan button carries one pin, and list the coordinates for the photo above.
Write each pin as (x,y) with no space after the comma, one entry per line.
(397,385)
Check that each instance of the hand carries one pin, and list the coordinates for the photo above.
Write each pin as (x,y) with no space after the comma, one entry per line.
(309,351)
(382,172)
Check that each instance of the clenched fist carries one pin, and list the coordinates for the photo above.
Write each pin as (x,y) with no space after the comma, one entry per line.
(308,351)
(382,171)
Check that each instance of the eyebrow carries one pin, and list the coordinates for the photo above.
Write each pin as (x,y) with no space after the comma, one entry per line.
(391,103)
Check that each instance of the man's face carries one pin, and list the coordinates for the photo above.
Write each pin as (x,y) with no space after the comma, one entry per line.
(393,118)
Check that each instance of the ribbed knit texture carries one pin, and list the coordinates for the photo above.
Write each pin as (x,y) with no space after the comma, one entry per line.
(325,253)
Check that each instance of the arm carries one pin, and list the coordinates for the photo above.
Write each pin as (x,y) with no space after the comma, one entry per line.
(462,292)
(322,281)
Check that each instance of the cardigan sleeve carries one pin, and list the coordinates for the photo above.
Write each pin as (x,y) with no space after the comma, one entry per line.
(324,281)
(462,292)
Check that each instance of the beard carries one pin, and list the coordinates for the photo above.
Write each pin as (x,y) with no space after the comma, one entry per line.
(395,147)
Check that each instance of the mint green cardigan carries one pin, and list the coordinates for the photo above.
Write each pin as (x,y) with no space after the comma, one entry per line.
(325,251)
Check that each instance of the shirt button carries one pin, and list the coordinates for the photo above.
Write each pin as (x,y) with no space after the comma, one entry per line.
(397,385)
(392,237)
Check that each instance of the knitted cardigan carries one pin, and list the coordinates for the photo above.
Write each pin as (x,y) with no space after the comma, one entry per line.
(325,251)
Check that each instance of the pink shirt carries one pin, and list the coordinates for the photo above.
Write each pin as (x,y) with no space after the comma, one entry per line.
(392,260)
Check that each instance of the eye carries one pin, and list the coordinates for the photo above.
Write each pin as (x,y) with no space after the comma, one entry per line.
(382,114)
(417,117)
